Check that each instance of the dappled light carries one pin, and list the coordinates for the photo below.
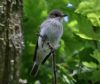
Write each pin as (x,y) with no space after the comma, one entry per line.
(77,57)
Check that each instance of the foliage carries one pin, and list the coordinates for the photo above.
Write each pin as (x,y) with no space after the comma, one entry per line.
(78,58)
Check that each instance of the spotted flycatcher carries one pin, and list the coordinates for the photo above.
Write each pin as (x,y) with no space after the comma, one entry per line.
(51,31)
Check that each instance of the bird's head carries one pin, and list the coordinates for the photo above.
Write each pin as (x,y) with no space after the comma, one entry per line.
(56,14)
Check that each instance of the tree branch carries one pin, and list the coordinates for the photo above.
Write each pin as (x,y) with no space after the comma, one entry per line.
(54,67)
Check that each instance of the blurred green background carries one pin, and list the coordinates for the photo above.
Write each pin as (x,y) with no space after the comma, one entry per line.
(78,58)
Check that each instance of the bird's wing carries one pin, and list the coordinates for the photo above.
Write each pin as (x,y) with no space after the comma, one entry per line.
(43,32)
(35,52)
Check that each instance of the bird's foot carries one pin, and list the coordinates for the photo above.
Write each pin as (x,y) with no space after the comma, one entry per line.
(51,47)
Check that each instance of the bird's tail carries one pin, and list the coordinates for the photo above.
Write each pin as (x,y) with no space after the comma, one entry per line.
(35,66)
(35,69)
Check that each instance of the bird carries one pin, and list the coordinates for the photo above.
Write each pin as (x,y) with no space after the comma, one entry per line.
(51,31)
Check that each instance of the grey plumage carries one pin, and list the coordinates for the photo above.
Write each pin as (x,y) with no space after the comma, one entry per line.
(52,27)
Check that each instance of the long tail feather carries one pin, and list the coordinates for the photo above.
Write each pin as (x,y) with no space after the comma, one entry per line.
(35,69)
(35,53)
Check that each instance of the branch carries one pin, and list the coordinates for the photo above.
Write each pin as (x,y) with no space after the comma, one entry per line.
(54,67)
(52,52)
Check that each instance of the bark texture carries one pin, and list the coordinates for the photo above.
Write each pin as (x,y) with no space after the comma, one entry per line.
(11,40)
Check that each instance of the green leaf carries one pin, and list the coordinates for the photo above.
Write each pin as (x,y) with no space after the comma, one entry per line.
(90,64)
(82,27)
(86,8)
(96,55)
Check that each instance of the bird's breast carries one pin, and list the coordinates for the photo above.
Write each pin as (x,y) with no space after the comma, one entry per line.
(55,31)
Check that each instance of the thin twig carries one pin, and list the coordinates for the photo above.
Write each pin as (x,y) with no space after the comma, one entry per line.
(54,67)
(52,52)
(53,62)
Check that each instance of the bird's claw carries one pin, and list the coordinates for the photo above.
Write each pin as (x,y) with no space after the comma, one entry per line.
(51,47)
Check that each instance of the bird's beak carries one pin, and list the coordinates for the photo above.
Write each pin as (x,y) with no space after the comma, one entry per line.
(64,15)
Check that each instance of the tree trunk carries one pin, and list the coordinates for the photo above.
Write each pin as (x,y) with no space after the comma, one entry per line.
(11,40)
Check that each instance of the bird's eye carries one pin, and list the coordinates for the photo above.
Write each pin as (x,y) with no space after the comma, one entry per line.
(56,15)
